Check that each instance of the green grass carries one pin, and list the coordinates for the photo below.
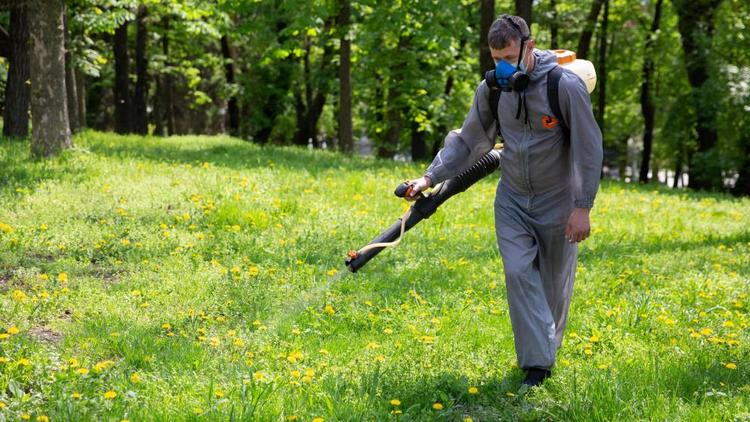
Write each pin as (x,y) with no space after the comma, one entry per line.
(189,276)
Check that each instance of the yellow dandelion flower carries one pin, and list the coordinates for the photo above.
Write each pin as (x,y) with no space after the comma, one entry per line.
(594,338)
(3,359)
(388,331)
(728,324)
(437,406)
(468,419)
(135,378)
(25,416)
(395,402)
(296,374)
(318,420)
(379,358)
(509,394)
(62,277)
(323,351)
(706,331)
(24,362)
(166,326)
(731,365)
(76,395)
(82,371)
(295,356)
(5,228)
(42,418)
(329,310)
(2,405)
(19,296)
(4,336)
(238,342)
(331,272)
(219,394)
(603,366)
(12,330)
(109,395)
(259,376)
(292,418)
(588,351)
(473,390)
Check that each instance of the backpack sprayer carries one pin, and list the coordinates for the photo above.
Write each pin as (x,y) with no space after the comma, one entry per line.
(423,207)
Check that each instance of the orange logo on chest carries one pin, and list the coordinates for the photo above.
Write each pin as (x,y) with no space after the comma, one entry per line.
(549,122)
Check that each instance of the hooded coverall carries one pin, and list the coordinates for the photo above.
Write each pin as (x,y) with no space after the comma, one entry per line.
(544,178)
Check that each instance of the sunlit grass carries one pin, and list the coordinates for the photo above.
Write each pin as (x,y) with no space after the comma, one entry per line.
(202,277)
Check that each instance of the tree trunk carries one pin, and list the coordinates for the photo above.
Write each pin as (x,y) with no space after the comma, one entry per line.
(742,186)
(523,9)
(169,106)
(696,28)
(647,104)
(140,111)
(123,123)
(70,80)
(486,18)
(18,90)
(158,112)
(584,42)
(601,104)
(51,130)
(80,79)
(418,144)
(346,142)
(553,26)
(233,112)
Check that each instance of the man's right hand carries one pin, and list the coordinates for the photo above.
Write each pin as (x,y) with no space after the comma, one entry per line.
(417,186)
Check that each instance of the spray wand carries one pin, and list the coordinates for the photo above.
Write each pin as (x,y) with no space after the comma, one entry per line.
(423,207)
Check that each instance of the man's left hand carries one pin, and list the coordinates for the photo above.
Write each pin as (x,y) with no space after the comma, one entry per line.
(578,227)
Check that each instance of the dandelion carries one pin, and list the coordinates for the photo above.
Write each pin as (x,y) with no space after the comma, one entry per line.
(588,351)
(331,272)
(109,395)
(295,356)
(473,390)
(5,228)
(603,366)
(296,374)
(253,271)
(379,358)
(166,326)
(509,394)
(388,331)
(19,296)
(318,420)
(76,395)
(12,330)
(2,405)
(135,378)
(728,324)
(24,362)
(395,402)
(323,351)
(259,376)
(42,418)
(437,406)
(4,336)
(292,418)
(25,416)
(706,331)
(82,371)
(731,365)
(329,310)
(219,394)
(594,338)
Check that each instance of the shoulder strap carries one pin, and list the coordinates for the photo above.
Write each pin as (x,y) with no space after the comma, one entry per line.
(494,103)
(553,89)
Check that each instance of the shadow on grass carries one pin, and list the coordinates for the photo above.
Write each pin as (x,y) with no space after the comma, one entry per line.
(229,152)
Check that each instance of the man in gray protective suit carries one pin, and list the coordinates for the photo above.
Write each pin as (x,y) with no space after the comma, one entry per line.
(546,191)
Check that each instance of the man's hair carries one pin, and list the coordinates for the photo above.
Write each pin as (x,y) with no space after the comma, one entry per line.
(502,32)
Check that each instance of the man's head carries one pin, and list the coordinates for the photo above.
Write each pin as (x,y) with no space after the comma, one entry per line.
(505,37)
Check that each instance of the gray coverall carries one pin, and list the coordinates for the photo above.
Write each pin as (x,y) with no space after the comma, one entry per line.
(543,179)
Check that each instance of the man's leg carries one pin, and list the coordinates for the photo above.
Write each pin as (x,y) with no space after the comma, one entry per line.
(530,315)
(557,256)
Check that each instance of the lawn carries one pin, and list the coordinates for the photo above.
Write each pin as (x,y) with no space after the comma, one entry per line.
(202,278)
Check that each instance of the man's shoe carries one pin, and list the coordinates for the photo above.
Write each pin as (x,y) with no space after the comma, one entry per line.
(535,376)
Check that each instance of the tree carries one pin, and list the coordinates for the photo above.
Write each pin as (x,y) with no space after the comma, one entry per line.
(696,25)
(51,130)
(523,9)
(140,114)
(343,21)
(123,122)
(18,89)
(584,41)
(70,81)
(647,104)
(233,112)
(487,16)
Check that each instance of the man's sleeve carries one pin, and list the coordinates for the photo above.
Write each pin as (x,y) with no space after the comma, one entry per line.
(463,147)
(585,139)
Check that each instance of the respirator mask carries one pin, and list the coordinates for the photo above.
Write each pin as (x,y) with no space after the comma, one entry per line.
(507,77)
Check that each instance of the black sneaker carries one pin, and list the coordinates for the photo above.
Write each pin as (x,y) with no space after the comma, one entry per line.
(535,376)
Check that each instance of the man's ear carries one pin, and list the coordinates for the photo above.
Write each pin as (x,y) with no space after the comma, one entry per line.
(532,43)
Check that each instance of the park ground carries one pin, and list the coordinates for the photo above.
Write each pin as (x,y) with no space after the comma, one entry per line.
(202,278)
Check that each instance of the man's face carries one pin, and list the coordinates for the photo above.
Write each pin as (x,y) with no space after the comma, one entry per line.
(511,51)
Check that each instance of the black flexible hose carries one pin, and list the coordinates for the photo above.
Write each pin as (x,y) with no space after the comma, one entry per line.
(424,207)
